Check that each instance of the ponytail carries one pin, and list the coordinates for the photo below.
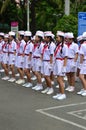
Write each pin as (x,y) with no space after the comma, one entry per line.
(62,43)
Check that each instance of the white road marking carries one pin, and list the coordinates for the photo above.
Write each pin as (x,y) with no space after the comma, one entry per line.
(74,114)
(42,111)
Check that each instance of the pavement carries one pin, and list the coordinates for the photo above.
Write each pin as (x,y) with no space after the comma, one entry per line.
(25,109)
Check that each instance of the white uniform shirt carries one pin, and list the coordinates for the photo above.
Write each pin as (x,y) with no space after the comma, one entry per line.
(28,48)
(83,50)
(38,50)
(72,50)
(5,47)
(49,51)
(1,44)
(64,52)
(21,47)
(12,46)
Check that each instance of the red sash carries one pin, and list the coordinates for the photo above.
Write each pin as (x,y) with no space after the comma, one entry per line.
(58,48)
(68,44)
(44,48)
(35,46)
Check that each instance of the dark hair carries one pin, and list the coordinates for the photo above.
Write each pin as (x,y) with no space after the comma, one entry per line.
(41,39)
(62,43)
(22,36)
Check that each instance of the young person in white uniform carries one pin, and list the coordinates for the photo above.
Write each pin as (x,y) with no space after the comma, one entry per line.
(28,57)
(20,57)
(12,54)
(37,59)
(71,62)
(60,55)
(48,55)
(82,75)
(79,41)
(5,56)
(1,44)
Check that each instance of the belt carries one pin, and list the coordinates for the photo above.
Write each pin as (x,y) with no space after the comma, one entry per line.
(5,52)
(59,58)
(26,54)
(19,54)
(36,57)
(10,52)
(46,60)
(70,58)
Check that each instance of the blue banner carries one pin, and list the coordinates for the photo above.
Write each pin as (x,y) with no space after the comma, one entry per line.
(81,22)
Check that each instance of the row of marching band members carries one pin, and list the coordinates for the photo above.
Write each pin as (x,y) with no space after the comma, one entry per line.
(45,57)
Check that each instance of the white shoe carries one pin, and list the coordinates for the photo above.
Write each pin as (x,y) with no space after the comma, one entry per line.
(45,90)
(12,80)
(17,80)
(5,78)
(43,79)
(25,77)
(71,89)
(67,88)
(39,88)
(17,74)
(58,86)
(84,93)
(52,82)
(34,87)
(21,81)
(28,85)
(80,92)
(56,96)
(2,70)
(65,78)
(25,84)
(10,72)
(34,78)
(61,97)
(50,91)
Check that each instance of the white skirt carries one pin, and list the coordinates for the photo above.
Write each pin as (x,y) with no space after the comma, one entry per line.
(58,65)
(37,64)
(69,67)
(27,63)
(11,59)
(19,61)
(46,69)
(5,58)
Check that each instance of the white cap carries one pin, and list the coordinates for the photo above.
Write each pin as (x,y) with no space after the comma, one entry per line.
(48,33)
(27,33)
(1,34)
(11,33)
(6,36)
(70,35)
(60,33)
(84,35)
(40,33)
(79,38)
(21,32)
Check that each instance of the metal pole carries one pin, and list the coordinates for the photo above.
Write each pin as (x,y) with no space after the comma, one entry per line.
(28,25)
(67,7)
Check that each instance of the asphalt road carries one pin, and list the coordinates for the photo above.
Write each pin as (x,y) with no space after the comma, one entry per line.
(24,109)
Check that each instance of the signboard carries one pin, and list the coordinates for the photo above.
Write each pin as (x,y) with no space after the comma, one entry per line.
(81,22)
(14,27)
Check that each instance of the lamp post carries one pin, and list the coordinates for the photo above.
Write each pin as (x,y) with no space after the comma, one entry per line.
(67,7)
(28,25)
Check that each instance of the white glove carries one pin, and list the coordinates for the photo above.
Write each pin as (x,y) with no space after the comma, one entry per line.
(50,66)
(80,66)
(73,64)
(13,59)
(64,69)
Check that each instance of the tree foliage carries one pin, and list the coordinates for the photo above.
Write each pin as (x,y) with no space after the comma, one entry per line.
(44,14)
